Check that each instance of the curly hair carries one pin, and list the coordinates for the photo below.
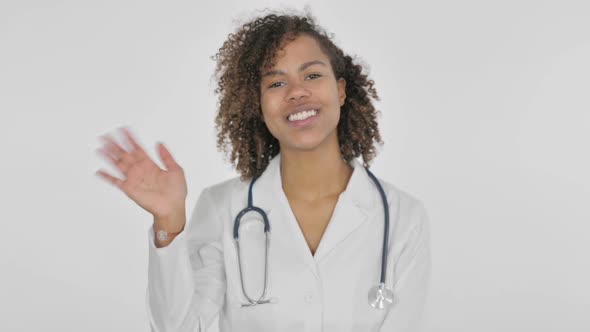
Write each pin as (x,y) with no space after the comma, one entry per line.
(240,61)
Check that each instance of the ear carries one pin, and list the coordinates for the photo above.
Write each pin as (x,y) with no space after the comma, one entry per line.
(341,90)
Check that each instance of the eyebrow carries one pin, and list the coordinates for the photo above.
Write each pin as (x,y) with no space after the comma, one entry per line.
(301,68)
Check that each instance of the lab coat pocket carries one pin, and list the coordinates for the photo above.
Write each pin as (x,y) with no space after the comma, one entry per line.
(247,317)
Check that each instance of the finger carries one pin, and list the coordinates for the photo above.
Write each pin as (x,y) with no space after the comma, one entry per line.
(166,157)
(140,152)
(122,160)
(109,178)
(113,147)
(120,164)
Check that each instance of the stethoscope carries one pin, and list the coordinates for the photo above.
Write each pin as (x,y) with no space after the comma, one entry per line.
(379,296)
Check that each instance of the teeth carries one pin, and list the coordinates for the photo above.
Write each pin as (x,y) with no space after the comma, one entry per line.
(302,115)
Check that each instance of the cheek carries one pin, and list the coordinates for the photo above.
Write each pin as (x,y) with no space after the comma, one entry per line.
(264,110)
(269,117)
(271,109)
(265,117)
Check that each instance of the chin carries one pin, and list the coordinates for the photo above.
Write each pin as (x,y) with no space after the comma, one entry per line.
(305,145)
(307,141)
(306,148)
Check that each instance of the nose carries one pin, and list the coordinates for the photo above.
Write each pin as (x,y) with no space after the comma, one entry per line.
(297,91)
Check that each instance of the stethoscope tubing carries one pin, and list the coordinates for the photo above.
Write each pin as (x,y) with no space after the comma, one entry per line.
(386,227)
(261,212)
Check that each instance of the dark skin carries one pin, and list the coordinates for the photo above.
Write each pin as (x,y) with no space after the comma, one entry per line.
(312,169)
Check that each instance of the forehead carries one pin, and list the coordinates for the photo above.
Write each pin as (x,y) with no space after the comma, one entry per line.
(302,49)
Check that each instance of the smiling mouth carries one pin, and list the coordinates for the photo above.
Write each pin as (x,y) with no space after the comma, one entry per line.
(300,116)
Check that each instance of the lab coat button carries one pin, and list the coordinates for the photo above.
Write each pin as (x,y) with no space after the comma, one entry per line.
(308,298)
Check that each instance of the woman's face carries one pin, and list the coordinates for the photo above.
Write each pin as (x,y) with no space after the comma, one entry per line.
(301,98)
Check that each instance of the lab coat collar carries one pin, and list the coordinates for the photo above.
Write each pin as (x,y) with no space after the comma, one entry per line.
(354,206)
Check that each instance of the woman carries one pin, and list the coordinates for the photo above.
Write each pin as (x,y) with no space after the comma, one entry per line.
(294,113)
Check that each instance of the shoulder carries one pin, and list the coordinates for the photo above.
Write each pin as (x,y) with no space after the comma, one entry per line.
(213,197)
(222,190)
(397,195)
(406,208)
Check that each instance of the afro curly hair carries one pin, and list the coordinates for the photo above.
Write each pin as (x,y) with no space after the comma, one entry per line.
(240,61)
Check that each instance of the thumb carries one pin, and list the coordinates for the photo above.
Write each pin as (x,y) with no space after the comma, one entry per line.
(166,157)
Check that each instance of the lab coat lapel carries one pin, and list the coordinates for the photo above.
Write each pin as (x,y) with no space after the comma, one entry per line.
(286,237)
(353,208)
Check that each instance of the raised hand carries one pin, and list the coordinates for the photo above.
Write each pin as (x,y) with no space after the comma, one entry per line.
(160,192)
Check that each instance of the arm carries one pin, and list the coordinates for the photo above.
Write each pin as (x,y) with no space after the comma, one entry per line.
(411,287)
(186,278)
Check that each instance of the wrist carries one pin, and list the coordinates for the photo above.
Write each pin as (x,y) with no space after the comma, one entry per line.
(172,224)
(162,233)
(162,237)
(172,214)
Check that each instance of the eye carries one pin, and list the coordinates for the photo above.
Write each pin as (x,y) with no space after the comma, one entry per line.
(274,85)
(277,84)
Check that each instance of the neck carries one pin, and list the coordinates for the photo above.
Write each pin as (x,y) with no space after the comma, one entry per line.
(313,175)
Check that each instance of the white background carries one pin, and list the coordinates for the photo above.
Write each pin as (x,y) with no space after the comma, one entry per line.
(484,113)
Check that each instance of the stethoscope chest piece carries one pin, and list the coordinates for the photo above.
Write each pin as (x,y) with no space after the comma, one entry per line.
(380,297)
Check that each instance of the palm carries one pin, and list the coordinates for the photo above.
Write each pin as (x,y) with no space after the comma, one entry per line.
(158,191)
(152,188)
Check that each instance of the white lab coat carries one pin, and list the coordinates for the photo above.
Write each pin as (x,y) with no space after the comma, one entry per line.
(196,278)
